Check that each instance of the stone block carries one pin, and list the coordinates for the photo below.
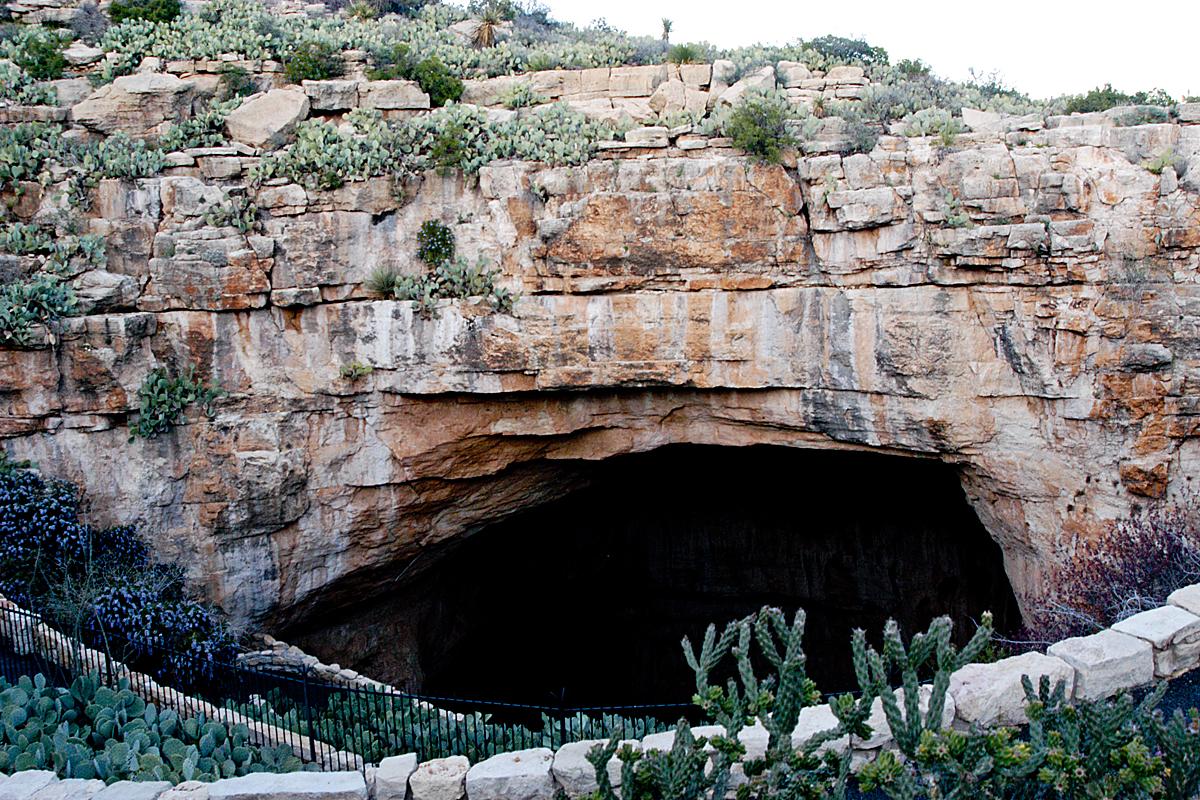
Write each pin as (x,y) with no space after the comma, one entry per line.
(23,785)
(698,75)
(134,104)
(1174,634)
(992,694)
(980,121)
(636,81)
(79,54)
(331,95)
(520,775)
(1106,662)
(851,75)
(792,75)
(69,789)
(764,78)
(814,720)
(654,136)
(268,120)
(576,774)
(440,779)
(391,779)
(131,790)
(291,786)
(392,95)
(1188,112)
(1187,598)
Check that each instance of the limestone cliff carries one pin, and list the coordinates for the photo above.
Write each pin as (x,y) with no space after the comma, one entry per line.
(1021,305)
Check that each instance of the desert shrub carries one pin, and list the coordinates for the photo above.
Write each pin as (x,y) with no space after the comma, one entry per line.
(41,55)
(149,10)
(840,50)
(1133,566)
(313,61)
(758,126)
(435,243)
(1105,97)
(685,54)
(236,82)
(396,61)
(91,23)
(164,398)
(436,81)
(454,278)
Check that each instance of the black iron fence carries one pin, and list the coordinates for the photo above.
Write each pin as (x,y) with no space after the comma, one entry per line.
(338,727)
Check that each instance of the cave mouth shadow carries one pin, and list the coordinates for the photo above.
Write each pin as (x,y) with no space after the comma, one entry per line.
(584,600)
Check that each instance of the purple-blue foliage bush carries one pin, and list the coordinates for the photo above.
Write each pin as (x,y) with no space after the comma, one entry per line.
(127,605)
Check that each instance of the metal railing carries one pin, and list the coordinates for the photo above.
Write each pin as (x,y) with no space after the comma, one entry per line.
(337,727)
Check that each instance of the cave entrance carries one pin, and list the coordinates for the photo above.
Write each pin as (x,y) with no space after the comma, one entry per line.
(584,600)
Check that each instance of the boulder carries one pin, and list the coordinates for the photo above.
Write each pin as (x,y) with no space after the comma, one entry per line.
(79,54)
(671,97)
(981,121)
(71,91)
(331,95)
(100,292)
(187,790)
(792,74)
(268,121)
(521,775)
(440,779)
(1106,662)
(23,785)
(391,779)
(1187,598)
(765,78)
(135,104)
(291,786)
(392,94)
(576,774)
(1188,112)
(992,694)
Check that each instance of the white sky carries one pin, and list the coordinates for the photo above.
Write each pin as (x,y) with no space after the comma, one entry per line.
(1042,47)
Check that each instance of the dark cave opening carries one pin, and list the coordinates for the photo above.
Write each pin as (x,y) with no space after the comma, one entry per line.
(583,601)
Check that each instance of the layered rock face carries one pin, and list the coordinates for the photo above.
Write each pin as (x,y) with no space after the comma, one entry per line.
(1023,306)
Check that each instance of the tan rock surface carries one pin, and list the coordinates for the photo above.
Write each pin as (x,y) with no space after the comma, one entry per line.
(1049,349)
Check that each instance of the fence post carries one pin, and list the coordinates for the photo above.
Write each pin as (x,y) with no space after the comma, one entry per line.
(312,738)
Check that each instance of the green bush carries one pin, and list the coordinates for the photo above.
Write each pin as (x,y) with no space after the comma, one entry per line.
(758,127)
(149,10)
(435,243)
(164,399)
(436,81)
(1105,97)
(91,732)
(685,54)
(313,61)
(42,55)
